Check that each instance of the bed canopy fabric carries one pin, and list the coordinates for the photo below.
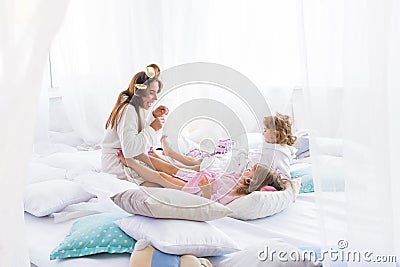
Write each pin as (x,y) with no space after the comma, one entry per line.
(344,55)
(27,28)
(351,56)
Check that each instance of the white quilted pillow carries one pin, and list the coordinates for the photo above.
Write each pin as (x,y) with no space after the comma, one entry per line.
(264,203)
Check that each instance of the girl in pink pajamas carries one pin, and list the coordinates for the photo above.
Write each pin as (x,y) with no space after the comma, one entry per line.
(220,187)
(225,187)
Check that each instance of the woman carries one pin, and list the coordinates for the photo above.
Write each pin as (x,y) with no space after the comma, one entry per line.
(126,129)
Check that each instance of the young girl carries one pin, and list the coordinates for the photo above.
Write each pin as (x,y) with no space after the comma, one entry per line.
(228,187)
(278,150)
(224,187)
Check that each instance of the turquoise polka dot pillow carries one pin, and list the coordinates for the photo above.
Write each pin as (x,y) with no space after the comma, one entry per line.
(94,234)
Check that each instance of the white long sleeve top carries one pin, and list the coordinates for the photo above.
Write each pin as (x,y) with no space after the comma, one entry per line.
(126,134)
(279,157)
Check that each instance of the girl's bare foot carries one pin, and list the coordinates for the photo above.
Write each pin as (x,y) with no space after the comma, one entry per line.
(205,186)
(203,182)
(196,168)
(186,160)
(167,149)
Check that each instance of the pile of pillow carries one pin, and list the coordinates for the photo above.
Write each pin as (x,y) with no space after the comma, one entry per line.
(174,204)
(121,233)
(152,210)
(156,214)
(49,188)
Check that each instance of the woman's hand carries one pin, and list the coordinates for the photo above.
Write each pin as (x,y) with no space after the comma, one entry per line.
(157,124)
(160,111)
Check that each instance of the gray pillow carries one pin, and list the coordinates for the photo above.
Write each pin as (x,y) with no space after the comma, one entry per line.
(169,204)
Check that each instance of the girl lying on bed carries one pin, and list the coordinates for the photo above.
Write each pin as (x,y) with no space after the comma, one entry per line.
(228,187)
(220,187)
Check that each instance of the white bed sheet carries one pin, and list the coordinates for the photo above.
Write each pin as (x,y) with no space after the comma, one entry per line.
(301,222)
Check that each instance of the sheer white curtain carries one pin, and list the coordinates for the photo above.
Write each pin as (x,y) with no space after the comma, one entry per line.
(351,52)
(27,28)
(42,144)
(92,61)
(103,43)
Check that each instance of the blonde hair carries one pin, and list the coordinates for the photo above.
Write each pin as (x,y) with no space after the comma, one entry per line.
(281,126)
(133,96)
(272,178)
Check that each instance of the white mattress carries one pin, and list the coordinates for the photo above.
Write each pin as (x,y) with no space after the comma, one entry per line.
(298,224)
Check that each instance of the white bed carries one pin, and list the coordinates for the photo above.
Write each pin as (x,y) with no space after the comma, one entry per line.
(298,224)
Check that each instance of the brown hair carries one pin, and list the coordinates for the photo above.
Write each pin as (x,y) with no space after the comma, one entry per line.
(281,126)
(133,96)
(272,178)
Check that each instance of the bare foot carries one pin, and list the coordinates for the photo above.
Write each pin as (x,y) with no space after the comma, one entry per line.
(203,181)
(167,149)
(196,168)
(186,160)
(205,186)
(198,162)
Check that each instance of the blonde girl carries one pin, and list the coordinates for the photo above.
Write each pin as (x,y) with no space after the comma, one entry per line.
(278,150)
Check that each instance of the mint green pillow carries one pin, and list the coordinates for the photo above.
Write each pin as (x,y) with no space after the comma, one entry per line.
(307,183)
(94,234)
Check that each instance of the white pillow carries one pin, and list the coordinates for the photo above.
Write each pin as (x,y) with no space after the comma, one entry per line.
(103,185)
(178,237)
(75,163)
(39,172)
(260,255)
(44,198)
(169,204)
(262,204)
